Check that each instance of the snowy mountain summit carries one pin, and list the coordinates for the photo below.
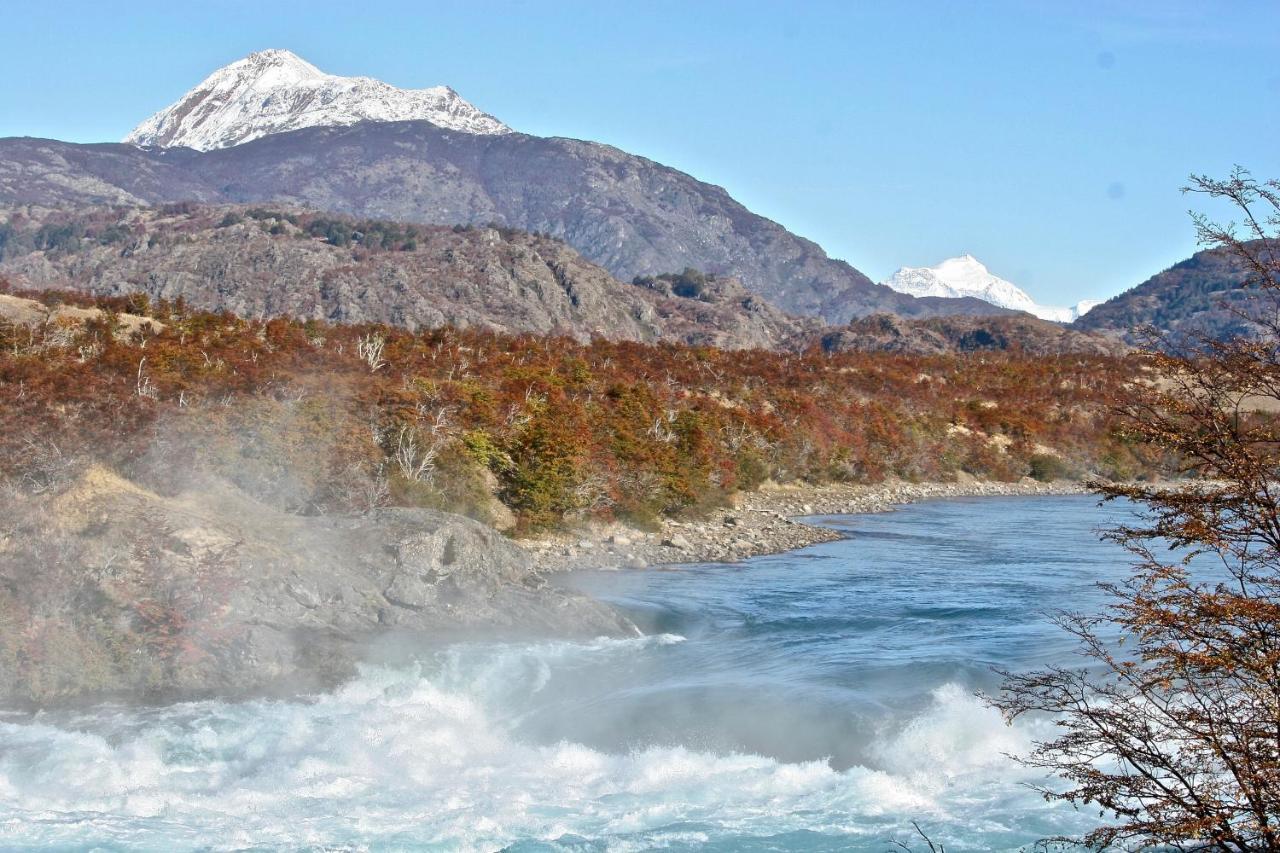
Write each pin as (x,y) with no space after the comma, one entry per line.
(967,276)
(273,91)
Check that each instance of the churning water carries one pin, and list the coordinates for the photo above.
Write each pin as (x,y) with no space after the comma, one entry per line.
(817,700)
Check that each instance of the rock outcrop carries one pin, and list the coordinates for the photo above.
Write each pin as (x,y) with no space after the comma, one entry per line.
(29,312)
(109,589)
(264,263)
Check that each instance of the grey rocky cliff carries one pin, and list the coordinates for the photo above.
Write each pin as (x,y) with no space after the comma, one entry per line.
(111,590)
(506,280)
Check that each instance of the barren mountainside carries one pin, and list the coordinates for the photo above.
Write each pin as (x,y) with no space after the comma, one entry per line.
(628,214)
(261,262)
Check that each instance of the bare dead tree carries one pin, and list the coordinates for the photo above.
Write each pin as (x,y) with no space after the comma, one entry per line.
(369,348)
(143,385)
(1174,732)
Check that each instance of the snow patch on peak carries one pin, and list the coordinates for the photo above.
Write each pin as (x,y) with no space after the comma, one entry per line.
(965,275)
(273,91)
(280,58)
(1084,306)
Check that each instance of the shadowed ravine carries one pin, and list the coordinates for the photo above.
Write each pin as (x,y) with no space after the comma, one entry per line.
(817,700)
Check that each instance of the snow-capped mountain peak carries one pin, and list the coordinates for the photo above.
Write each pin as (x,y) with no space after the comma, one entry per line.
(956,278)
(273,91)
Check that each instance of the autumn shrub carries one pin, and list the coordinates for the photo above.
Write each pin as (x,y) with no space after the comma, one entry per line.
(555,429)
(458,485)
(1046,467)
(546,454)
(750,469)
(1166,726)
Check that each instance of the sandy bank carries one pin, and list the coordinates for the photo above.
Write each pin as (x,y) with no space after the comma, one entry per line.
(761,522)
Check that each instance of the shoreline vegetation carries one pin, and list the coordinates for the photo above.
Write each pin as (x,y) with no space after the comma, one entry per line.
(184,430)
(759,523)
(529,434)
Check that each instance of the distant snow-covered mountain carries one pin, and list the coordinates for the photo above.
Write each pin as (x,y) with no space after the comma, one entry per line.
(273,91)
(274,128)
(955,278)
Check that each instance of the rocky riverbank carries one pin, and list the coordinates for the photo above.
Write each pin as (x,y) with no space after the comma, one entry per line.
(760,522)
(123,592)
(111,590)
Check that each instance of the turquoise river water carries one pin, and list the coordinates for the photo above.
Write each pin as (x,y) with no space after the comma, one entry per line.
(816,700)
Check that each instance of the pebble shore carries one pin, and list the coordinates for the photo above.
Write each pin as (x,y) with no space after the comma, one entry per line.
(760,522)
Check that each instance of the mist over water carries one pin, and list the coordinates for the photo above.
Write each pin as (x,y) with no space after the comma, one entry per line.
(819,700)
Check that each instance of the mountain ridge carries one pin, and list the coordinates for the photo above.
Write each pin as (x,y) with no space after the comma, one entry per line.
(263,262)
(1018,332)
(273,128)
(1207,294)
(260,262)
(629,214)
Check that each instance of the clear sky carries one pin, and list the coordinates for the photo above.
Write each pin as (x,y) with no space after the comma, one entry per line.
(1049,139)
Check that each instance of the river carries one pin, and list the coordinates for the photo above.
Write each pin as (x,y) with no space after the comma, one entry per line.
(815,700)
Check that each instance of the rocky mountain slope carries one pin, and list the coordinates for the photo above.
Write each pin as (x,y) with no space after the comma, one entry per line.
(1204,294)
(939,335)
(628,214)
(966,276)
(274,91)
(262,262)
(283,261)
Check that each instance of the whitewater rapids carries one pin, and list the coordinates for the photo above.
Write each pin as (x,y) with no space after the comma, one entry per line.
(815,701)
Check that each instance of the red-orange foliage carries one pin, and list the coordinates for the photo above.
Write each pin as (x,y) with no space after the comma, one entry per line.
(1173,732)
(607,428)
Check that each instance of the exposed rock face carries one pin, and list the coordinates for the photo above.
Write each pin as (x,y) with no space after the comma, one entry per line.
(628,214)
(29,312)
(218,258)
(124,592)
(940,335)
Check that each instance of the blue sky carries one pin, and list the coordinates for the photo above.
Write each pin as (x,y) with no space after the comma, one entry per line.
(1049,139)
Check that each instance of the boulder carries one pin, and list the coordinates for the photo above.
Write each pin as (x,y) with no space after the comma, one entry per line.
(111,590)
(677,542)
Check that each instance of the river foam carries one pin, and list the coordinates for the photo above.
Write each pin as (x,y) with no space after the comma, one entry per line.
(430,756)
(820,700)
